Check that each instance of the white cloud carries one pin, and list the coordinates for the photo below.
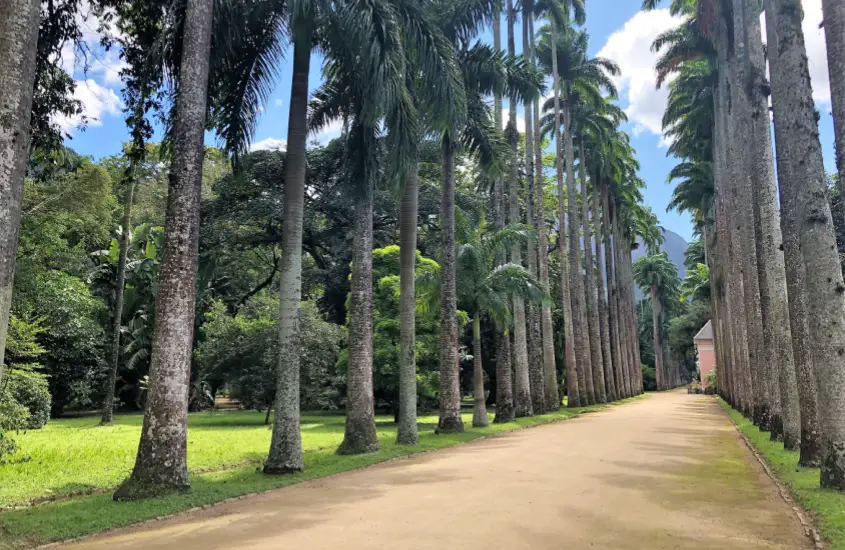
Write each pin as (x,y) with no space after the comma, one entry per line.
(278,103)
(630,48)
(269,144)
(331,131)
(97,102)
(520,120)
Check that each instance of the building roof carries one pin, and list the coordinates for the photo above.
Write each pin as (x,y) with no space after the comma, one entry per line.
(706,332)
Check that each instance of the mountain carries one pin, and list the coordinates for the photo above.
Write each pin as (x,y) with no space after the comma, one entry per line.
(674,245)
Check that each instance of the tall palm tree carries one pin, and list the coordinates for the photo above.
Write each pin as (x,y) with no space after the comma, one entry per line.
(657,274)
(803,184)
(484,72)
(504,382)
(579,76)
(522,387)
(19,20)
(486,289)
(161,463)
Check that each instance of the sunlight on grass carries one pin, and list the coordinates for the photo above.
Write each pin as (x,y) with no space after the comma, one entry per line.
(828,506)
(75,455)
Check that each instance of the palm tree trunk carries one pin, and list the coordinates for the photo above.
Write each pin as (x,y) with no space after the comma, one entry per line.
(19,20)
(604,320)
(592,312)
(834,31)
(535,346)
(504,385)
(479,410)
(612,292)
(552,397)
(810,444)
(162,461)
(522,386)
(786,424)
(634,341)
(407,432)
(794,112)
(622,335)
(450,388)
(570,363)
(111,379)
(579,317)
(655,334)
(359,435)
(286,443)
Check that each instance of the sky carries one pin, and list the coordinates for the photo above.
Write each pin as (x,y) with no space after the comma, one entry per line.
(617,29)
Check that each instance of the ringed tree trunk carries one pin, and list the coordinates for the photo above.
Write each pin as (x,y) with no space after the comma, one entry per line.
(579,317)
(624,368)
(111,379)
(450,389)
(522,386)
(592,312)
(794,111)
(786,423)
(834,31)
(741,120)
(612,312)
(570,362)
(407,431)
(359,435)
(535,347)
(479,409)
(552,396)
(810,444)
(604,321)
(504,382)
(19,20)
(162,461)
(655,334)
(285,454)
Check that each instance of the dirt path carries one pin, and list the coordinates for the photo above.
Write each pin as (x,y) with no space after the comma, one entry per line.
(668,471)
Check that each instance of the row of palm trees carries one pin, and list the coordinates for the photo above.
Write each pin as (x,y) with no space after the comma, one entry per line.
(396,72)
(778,297)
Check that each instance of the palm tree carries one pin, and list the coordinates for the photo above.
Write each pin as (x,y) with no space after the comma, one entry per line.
(802,182)
(485,289)
(522,387)
(578,76)
(485,72)
(659,276)
(19,20)
(161,463)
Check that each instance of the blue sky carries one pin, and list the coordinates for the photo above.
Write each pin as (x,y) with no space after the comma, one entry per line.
(617,29)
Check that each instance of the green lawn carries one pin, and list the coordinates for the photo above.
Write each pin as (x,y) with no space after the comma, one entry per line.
(828,506)
(225,451)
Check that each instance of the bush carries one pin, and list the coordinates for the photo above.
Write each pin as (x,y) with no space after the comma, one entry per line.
(13,417)
(710,381)
(649,379)
(29,389)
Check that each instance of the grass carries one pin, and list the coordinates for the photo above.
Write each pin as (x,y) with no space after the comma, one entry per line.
(828,506)
(225,451)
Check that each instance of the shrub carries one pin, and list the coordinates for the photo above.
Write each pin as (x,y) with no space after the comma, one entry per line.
(29,389)
(710,381)
(13,417)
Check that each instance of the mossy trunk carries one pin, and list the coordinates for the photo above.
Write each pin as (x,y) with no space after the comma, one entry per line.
(286,443)
(407,430)
(795,113)
(450,387)
(19,20)
(161,464)
(359,435)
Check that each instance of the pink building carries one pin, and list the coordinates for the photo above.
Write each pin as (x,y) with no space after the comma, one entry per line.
(706,353)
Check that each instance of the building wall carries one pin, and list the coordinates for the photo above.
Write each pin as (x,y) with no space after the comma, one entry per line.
(706,358)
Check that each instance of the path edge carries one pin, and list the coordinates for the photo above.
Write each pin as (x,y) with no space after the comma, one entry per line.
(809,526)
